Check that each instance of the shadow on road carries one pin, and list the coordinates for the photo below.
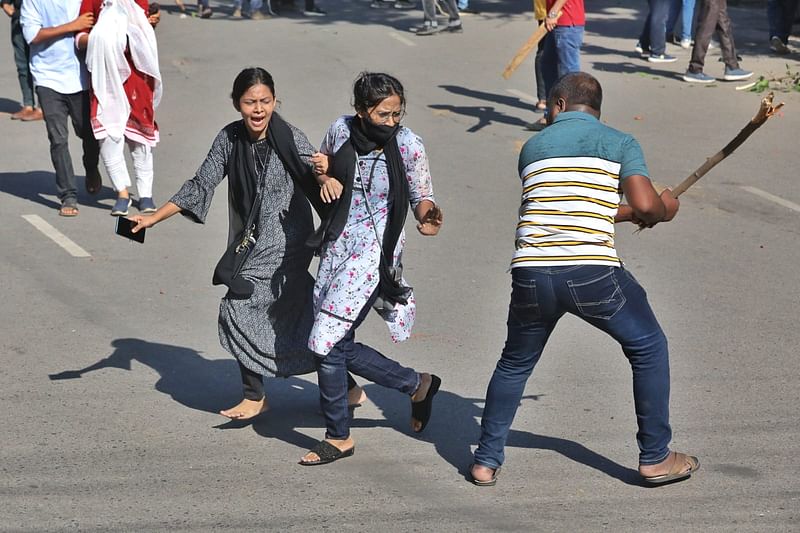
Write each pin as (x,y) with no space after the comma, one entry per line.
(33,184)
(9,106)
(210,385)
(455,426)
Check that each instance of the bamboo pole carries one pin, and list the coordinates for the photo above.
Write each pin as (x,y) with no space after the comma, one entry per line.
(531,43)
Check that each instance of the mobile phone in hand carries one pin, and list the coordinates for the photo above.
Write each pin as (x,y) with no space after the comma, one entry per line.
(124,228)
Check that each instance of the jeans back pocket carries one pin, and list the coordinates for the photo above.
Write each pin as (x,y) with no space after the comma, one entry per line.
(524,308)
(599,297)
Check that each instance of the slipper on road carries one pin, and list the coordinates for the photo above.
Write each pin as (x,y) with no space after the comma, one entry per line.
(484,483)
(683,466)
(421,411)
(327,453)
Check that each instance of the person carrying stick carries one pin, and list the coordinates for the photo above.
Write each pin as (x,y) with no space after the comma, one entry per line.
(565,262)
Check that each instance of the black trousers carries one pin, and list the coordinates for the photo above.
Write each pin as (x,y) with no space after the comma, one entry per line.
(713,17)
(57,108)
(253,383)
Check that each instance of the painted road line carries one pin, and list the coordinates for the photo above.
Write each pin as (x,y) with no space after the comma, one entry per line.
(396,36)
(57,237)
(771,197)
(525,97)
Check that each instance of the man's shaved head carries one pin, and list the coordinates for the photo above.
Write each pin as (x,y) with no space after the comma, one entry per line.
(578,88)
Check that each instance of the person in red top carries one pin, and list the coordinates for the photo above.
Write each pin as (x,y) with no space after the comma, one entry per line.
(562,47)
(122,57)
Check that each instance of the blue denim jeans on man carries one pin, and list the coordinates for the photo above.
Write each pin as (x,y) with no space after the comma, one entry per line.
(363,361)
(780,14)
(608,298)
(654,33)
(561,54)
(684,8)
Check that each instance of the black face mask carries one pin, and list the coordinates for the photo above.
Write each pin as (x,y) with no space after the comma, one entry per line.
(367,135)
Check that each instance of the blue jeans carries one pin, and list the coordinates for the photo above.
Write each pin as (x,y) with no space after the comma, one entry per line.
(685,9)
(654,33)
(780,14)
(561,54)
(608,298)
(363,361)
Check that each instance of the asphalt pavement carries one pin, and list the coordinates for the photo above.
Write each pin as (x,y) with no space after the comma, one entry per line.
(111,373)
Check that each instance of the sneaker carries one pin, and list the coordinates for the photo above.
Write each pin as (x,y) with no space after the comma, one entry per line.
(661,58)
(698,77)
(380,4)
(469,11)
(404,4)
(778,46)
(120,208)
(146,205)
(455,28)
(429,29)
(686,43)
(641,50)
(257,15)
(736,74)
(237,13)
(316,12)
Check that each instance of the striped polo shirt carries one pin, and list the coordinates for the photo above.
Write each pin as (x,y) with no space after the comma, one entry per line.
(571,176)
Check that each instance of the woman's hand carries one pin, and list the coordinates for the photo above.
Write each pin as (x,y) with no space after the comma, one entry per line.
(321,163)
(330,189)
(431,221)
(154,19)
(142,222)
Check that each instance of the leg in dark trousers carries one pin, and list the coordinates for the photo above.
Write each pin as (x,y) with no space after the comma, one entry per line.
(21,58)
(713,17)
(56,108)
(81,121)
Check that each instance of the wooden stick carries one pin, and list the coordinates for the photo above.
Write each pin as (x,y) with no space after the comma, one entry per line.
(765,111)
(532,41)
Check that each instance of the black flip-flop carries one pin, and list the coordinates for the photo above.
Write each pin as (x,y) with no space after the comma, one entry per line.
(421,411)
(489,482)
(327,453)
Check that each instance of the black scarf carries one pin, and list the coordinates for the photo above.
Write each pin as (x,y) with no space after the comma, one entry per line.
(242,177)
(365,137)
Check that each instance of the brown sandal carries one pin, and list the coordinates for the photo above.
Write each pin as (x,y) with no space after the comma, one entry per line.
(683,466)
(68,210)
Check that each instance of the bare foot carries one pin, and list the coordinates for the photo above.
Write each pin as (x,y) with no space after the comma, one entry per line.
(246,409)
(420,394)
(356,396)
(342,445)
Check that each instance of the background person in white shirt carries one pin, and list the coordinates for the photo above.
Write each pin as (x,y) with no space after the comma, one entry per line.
(62,87)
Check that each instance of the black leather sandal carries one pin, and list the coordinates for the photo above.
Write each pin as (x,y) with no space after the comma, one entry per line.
(327,453)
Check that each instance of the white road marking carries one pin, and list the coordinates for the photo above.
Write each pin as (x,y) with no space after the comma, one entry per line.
(398,37)
(772,198)
(523,96)
(57,237)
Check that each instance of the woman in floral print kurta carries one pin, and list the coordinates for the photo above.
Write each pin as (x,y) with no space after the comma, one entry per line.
(349,278)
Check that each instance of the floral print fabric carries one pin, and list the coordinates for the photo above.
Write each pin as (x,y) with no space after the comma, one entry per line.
(349,266)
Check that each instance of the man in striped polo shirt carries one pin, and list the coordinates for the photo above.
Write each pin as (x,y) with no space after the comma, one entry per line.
(565,262)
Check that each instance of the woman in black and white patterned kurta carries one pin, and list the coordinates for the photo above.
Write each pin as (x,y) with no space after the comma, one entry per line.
(268,331)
